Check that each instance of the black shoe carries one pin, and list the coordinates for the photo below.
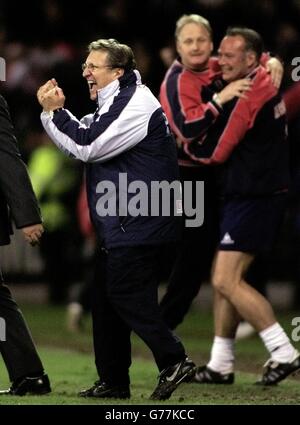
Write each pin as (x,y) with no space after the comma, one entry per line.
(29,385)
(102,390)
(276,372)
(171,377)
(205,375)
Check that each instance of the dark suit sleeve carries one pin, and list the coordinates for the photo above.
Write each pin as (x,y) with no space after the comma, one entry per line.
(15,184)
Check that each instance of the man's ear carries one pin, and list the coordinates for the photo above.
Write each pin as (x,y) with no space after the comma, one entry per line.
(251,59)
(119,72)
(178,47)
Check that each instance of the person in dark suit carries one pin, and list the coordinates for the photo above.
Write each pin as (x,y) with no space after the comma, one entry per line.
(17,201)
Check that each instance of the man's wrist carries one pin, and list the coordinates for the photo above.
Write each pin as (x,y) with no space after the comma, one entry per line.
(217,100)
(53,111)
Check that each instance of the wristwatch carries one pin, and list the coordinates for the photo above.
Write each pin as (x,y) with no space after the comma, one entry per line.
(216,99)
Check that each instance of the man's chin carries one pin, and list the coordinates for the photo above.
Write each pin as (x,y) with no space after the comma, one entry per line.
(199,65)
(227,78)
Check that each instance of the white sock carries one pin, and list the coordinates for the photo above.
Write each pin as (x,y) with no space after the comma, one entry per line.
(222,355)
(278,344)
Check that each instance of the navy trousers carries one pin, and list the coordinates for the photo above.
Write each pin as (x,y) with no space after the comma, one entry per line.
(124,300)
(195,251)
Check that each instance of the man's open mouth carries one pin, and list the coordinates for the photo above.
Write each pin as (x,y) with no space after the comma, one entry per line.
(91,84)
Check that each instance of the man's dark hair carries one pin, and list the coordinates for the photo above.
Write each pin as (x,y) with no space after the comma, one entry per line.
(119,55)
(253,40)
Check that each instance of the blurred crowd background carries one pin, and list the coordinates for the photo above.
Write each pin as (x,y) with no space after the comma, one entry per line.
(40,39)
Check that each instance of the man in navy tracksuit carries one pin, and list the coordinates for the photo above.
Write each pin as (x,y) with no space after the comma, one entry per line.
(126,144)
(248,143)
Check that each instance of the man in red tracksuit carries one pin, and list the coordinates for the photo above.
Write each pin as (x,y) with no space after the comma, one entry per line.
(187,99)
(248,144)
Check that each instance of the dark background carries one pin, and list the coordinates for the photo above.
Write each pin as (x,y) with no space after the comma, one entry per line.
(49,38)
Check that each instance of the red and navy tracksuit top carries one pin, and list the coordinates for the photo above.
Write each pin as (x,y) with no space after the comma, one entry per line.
(186,97)
(249,139)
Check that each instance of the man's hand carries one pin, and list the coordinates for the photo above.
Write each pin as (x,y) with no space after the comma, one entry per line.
(33,233)
(275,69)
(235,89)
(50,96)
(45,88)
